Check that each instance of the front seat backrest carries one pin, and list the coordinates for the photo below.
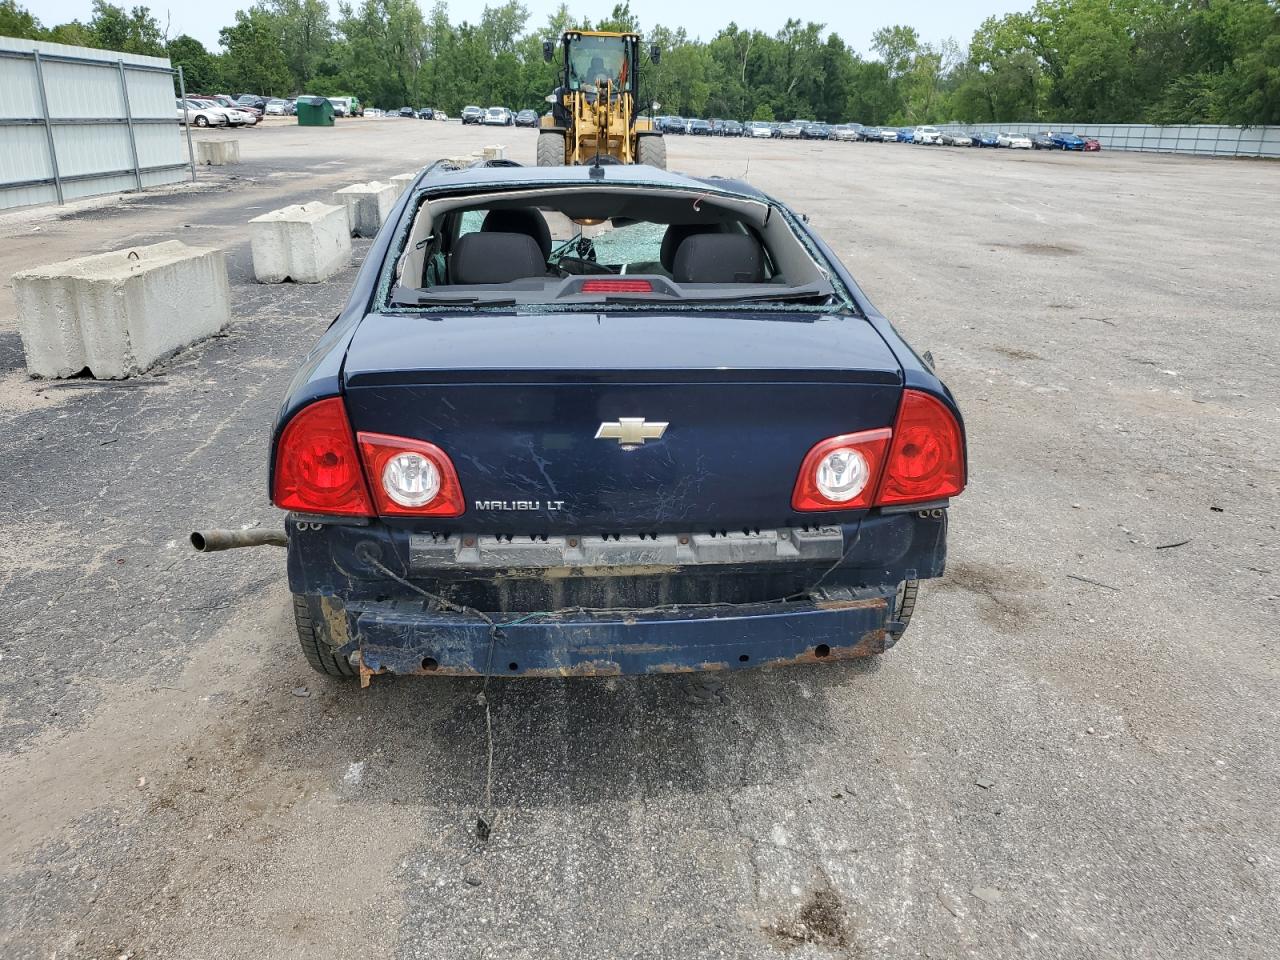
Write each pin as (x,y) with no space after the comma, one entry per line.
(677,234)
(520,220)
(496,258)
(719,258)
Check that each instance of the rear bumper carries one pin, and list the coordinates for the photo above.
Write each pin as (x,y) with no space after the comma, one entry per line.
(407,638)
(590,605)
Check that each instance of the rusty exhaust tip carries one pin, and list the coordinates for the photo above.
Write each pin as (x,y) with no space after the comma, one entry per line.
(822,650)
(429,664)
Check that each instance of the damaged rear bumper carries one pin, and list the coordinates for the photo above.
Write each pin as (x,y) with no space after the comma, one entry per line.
(405,637)
(390,599)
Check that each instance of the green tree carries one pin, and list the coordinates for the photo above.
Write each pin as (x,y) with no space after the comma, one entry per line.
(16,21)
(254,61)
(200,68)
(134,31)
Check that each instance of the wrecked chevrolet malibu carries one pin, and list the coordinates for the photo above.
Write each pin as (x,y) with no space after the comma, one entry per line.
(607,420)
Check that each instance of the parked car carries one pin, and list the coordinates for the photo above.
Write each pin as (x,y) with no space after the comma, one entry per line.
(498,117)
(1066,141)
(816,131)
(408,112)
(870,135)
(847,132)
(789,131)
(890,135)
(373,112)
(251,100)
(1042,141)
(927,135)
(1092,144)
(277,108)
(426,113)
(629,514)
(986,139)
(700,128)
(954,139)
(234,117)
(441,116)
(759,129)
(731,128)
(472,115)
(527,118)
(673,125)
(1016,141)
(199,114)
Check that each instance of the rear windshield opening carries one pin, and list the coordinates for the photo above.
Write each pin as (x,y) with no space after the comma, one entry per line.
(585,247)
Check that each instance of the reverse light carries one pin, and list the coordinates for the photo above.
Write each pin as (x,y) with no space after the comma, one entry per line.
(926,459)
(317,469)
(410,478)
(840,473)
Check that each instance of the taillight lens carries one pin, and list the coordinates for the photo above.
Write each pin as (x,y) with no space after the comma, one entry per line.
(617,286)
(841,473)
(926,458)
(317,469)
(410,478)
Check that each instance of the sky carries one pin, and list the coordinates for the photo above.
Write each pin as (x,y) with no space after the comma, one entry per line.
(854,21)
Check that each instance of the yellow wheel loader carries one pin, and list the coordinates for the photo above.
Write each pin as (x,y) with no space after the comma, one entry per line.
(593,114)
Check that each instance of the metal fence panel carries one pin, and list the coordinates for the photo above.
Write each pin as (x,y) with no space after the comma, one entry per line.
(1207,140)
(77,122)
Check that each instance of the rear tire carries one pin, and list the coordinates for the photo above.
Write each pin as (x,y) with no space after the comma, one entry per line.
(905,605)
(201,122)
(322,657)
(652,151)
(551,148)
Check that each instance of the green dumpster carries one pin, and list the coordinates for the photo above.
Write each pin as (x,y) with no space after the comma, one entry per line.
(315,112)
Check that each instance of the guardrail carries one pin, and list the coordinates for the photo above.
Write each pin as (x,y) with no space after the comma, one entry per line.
(1208,140)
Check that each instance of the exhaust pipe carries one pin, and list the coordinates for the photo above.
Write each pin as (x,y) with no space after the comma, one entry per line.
(210,541)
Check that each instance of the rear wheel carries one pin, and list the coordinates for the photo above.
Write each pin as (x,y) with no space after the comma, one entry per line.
(322,657)
(652,151)
(201,122)
(551,148)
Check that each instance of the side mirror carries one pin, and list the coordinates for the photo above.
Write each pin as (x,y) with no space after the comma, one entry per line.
(655,53)
(548,50)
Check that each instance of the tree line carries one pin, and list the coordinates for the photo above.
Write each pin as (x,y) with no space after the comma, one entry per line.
(1156,61)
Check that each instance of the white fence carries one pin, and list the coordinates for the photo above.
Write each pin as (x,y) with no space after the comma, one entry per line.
(1208,140)
(77,122)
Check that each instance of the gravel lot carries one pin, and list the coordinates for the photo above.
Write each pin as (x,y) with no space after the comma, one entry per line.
(1072,754)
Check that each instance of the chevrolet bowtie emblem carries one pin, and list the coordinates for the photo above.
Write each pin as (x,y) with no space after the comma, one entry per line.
(630,432)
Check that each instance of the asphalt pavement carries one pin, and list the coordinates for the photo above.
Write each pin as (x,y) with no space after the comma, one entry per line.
(1073,752)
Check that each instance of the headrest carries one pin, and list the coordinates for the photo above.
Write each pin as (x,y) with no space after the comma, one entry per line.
(719,258)
(496,258)
(520,220)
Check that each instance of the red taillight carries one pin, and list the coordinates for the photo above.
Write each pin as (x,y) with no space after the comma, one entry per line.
(926,458)
(920,459)
(841,473)
(410,478)
(617,286)
(317,469)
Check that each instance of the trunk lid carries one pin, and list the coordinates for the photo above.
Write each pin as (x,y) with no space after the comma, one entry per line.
(518,402)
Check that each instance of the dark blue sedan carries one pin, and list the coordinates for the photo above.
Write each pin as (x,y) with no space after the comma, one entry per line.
(686,441)
(1067,141)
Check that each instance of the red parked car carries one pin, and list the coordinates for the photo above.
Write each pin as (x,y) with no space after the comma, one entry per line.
(1091,144)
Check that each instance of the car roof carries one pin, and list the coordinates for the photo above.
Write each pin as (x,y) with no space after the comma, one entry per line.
(625,175)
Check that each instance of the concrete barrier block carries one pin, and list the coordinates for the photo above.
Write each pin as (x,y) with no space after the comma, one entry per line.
(118,313)
(495,151)
(305,243)
(367,205)
(401,181)
(217,153)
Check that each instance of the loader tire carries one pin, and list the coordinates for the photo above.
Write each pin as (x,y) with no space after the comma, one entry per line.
(652,151)
(551,148)
(322,657)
